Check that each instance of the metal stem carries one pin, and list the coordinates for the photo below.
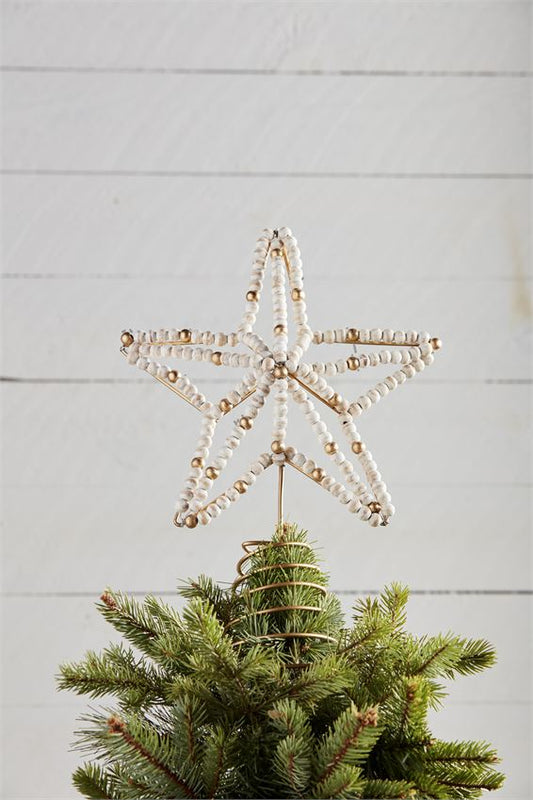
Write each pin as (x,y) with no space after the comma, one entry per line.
(281,469)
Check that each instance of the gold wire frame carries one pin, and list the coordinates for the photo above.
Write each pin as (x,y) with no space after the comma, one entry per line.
(253,547)
(351,336)
(264,544)
(283,584)
(286,565)
(174,389)
(315,394)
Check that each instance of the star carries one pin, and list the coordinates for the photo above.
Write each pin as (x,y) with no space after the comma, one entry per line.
(279,369)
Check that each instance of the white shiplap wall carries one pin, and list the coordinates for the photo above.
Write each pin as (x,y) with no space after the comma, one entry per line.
(145,144)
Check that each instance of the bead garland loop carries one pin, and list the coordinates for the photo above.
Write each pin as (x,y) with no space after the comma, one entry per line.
(279,369)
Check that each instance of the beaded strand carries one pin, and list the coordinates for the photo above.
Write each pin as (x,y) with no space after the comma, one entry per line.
(280,369)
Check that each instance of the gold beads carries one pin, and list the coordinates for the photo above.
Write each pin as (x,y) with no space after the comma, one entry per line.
(317,474)
(172,376)
(225,405)
(353,362)
(280,371)
(197,463)
(335,399)
(374,507)
(358,447)
(126,339)
(298,294)
(185,335)
(191,521)
(216,358)
(241,486)
(246,423)
(436,343)
(352,335)
(277,447)
(331,448)
(252,296)
(212,473)
(279,330)
(275,252)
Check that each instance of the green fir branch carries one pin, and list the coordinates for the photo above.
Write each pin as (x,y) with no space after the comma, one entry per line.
(426,787)
(209,709)
(292,765)
(289,719)
(205,588)
(370,628)
(145,625)
(393,601)
(447,655)
(147,749)
(94,782)
(139,750)
(462,752)
(477,655)
(464,782)
(188,685)
(221,763)
(433,656)
(116,671)
(404,713)
(321,680)
(207,637)
(293,754)
(376,789)
(349,741)
(188,717)
(168,618)
(345,782)
(436,694)
(464,768)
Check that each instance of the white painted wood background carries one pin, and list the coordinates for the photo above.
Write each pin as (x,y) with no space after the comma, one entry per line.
(145,144)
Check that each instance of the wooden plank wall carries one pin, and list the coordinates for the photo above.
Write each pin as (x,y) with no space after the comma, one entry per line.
(145,145)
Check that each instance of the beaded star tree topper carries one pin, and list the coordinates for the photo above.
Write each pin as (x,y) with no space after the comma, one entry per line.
(279,368)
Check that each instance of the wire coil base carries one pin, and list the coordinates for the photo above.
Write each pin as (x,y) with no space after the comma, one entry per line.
(250,582)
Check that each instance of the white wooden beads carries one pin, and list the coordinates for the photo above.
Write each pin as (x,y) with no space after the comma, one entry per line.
(280,369)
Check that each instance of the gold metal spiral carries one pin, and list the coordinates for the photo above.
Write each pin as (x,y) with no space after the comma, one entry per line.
(251,548)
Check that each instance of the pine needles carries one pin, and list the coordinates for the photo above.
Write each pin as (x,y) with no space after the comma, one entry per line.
(224,700)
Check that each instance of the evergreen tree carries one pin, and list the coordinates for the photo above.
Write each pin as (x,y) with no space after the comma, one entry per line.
(259,691)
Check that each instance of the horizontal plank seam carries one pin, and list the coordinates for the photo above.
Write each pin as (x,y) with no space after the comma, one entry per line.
(201,277)
(340,592)
(154,173)
(9,379)
(266,71)
(463,485)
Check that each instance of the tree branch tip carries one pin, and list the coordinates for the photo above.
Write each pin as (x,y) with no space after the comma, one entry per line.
(108,600)
(115,725)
